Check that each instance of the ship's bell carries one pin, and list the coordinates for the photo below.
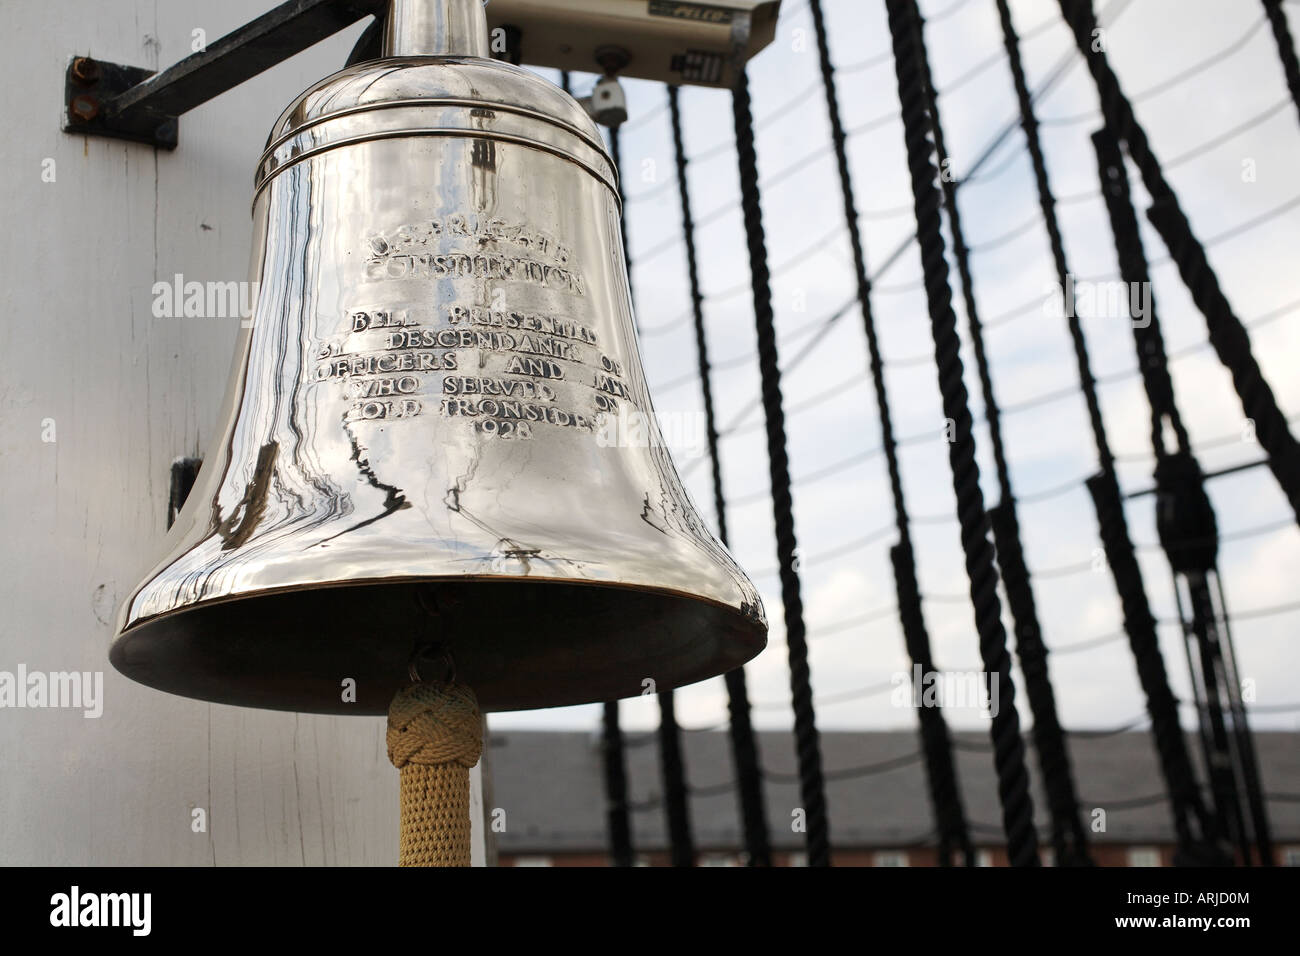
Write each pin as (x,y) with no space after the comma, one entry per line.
(438,439)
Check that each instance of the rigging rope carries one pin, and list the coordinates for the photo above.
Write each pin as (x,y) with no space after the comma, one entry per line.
(945,794)
(807,742)
(1105,487)
(673,765)
(1069,838)
(1009,748)
(1184,512)
(1226,332)
(618,822)
(1285,47)
(744,747)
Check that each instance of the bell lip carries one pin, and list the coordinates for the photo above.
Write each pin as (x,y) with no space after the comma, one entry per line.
(751,624)
(126,624)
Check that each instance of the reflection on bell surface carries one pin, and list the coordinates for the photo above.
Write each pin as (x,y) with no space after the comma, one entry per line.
(415,445)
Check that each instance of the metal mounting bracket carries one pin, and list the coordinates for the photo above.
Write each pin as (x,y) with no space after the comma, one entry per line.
(126,102)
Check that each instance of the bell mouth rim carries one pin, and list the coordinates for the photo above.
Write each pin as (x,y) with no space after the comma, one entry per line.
(273,658)
(125,628)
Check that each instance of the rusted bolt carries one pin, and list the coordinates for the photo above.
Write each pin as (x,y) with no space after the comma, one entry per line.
(85,70)
(84,107)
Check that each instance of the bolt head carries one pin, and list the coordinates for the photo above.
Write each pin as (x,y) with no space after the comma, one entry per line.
(85,70)
(84,107)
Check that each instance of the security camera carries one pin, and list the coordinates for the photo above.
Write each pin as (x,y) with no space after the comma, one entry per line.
(695,43)
(607,103)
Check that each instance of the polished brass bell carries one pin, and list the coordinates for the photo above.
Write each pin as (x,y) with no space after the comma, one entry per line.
(417,455)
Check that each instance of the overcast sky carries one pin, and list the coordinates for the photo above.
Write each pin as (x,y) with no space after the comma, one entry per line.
(831,412)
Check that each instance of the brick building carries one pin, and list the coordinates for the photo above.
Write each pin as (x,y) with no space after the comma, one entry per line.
(547,798)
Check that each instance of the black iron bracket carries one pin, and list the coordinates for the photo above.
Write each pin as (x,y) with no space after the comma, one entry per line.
(127,102)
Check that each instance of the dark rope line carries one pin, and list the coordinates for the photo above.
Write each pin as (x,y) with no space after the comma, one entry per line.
(1055,75)
(615,151)
(974,179)
(947,11)
(1196,69)
(941,772)
(1066,570)
(1153,362)
(1182,508)
(1009,757)
(1229,338)
(846,773)
(997,242)
(1140,625)
(618,824)
(807,742)
(807,252)
(1233,232)
(1285,47)
(1033,497)
(983,746)
(1069,837)
(1089,644)
(1274,708)
(1240,535)
(1257,612)
(671,761)
(794,102)
(1219,139)
(844,697)
(673,767)
(1226,136)
(744,745)
(839,627)
(1138,619)
(838,551)
(865,770)
(1221,441)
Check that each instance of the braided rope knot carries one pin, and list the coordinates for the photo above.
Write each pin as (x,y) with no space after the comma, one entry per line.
(432,724)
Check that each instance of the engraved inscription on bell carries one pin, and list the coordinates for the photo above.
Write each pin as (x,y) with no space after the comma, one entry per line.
(501,368)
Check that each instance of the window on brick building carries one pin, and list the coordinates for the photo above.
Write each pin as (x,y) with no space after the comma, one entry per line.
(1291,856)
(889,858)
(1143,856)
(533,861)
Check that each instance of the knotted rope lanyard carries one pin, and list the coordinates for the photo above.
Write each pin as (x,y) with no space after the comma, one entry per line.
(435,735)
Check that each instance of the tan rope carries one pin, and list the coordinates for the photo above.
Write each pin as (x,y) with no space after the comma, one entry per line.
(435,735)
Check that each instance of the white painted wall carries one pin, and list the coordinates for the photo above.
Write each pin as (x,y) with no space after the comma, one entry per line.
(81,517)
